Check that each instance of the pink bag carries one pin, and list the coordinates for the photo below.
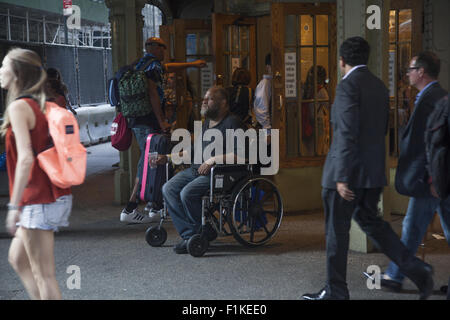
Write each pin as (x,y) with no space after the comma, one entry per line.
(65,162)
(121,135)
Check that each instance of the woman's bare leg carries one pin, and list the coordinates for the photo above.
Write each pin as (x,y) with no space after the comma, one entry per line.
(18,259)
(39,245)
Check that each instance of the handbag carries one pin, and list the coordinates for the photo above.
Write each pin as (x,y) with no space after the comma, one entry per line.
(121,135)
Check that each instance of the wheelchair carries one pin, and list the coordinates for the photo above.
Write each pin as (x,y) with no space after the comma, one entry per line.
(239,203)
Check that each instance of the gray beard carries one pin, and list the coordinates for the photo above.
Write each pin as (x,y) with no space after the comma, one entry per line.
(212,113)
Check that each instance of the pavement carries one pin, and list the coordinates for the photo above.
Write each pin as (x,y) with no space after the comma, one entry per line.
(114,261)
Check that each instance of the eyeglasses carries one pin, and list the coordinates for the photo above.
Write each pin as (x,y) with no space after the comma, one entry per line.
(408,70)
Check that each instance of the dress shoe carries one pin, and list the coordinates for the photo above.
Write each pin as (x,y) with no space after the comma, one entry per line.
(389,284)
(181,247)
(321,295)
(423,279)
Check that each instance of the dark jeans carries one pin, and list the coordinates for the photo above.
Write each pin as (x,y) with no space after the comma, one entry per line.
(363,209)
(183,196)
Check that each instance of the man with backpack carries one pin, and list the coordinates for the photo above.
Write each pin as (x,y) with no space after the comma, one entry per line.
(412,177)
(152,121)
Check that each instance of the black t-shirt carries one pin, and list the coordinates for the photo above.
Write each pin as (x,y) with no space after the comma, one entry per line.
(231,121)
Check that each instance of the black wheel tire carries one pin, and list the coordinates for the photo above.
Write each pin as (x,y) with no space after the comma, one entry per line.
(197,245)
(156,236)
(240,188)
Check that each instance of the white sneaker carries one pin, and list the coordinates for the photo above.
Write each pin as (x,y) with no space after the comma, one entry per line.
(134,217)
(154,215)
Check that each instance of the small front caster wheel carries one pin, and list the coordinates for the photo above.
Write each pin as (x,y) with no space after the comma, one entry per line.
(197,245)
(156,236)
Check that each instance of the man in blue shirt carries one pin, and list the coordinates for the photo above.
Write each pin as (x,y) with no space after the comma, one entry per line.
(156,121)
(411,176)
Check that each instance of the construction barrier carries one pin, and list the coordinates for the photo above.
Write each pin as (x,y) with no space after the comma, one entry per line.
(95,123)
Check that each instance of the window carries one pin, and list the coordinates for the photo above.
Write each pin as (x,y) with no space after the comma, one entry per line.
(152,21)
(198,81)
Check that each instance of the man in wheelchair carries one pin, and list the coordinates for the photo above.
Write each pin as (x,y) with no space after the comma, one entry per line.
(183,193)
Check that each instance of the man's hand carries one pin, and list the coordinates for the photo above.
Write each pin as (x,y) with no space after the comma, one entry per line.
(199,63)
(162,159)
(165,126)
(206,166)
(344,191)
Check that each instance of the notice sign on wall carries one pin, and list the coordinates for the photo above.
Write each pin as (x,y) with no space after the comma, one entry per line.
(67,7)
(290,71)
(206,77)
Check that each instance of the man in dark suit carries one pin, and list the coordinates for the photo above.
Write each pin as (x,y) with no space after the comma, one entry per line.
(354,174)
(411,178)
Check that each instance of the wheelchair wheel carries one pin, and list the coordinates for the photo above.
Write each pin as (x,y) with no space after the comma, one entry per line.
(156,236)
(197,245)
(257,212)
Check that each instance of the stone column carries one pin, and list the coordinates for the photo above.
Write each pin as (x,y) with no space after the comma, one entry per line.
(127,45)
(352,21)
(436,39)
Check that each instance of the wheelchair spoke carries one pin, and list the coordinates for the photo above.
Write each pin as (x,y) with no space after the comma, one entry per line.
(257,192)
(252,230)
(257,212)
(263,224)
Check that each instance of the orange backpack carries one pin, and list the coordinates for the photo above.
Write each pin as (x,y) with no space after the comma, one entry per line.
(65,161)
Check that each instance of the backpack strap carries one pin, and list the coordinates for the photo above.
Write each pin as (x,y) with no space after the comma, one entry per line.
(25,96)
(145,65)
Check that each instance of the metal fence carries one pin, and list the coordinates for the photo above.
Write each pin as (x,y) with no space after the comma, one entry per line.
(85,70)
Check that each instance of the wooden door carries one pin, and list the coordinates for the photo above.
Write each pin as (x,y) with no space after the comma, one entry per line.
(234,43)
(304,79)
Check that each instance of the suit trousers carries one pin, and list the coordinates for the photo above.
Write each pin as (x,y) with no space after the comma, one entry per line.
(363,209)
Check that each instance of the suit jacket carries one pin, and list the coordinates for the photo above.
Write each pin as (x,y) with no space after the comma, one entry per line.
(411,178)
(359,118)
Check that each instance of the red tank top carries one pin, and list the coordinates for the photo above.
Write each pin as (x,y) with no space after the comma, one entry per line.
(39,188)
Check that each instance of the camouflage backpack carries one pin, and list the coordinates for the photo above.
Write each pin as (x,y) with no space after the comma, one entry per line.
(133,92)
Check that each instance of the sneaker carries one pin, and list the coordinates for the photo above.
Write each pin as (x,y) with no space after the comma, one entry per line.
(154,215)
(152,206)
(390,285)
(134,217)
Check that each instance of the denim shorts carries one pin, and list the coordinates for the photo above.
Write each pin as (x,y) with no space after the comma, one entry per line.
(48,216)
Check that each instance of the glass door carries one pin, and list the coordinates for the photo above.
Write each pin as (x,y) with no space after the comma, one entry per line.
(304,80)
(234,43)
(188,40)
(405,41)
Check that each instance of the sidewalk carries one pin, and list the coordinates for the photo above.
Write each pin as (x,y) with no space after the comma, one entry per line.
(115,262)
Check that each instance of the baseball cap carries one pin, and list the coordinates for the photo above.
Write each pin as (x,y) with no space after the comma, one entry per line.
(157,41)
